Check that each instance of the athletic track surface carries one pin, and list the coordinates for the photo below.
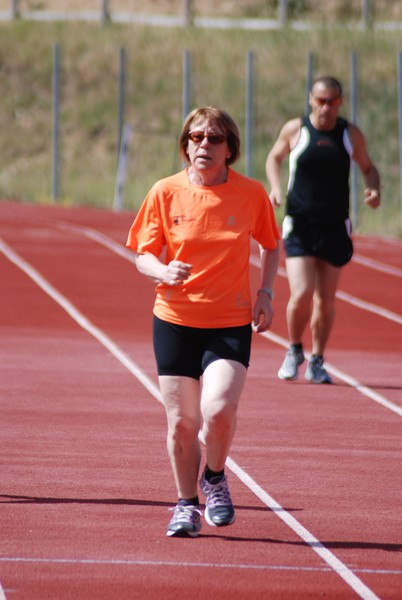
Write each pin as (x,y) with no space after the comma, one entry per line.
(86,487)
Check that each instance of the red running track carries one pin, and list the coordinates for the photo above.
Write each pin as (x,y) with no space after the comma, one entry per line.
(86,487)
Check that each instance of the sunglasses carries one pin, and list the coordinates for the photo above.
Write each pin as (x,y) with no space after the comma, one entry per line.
(329,101)
(198,136)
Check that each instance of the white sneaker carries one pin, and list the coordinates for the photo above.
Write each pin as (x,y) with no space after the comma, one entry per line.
(290,367)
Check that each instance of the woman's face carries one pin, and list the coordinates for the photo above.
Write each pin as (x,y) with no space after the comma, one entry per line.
(207,146)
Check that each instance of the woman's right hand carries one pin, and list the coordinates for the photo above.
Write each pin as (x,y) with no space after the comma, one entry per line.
(176,273)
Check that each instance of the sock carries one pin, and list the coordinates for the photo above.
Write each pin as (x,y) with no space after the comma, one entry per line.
(209,474)
(296,347)
(189,502)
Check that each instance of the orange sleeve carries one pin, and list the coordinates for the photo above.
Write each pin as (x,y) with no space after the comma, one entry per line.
(146,233)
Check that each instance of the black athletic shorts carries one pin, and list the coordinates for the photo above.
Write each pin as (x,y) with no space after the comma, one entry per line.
(187,351)
(330,242)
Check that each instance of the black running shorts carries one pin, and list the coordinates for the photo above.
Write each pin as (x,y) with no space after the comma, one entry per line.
(330,242)
(187,351)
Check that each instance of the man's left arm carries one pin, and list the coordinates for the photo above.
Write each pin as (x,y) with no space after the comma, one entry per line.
(371,176)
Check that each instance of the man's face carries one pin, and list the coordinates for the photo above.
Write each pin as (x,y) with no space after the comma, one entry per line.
(325,103)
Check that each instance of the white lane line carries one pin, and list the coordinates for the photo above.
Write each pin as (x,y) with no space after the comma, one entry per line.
(128,255)
(79,318)
(373,308)
(342,570)
(359,387)
(177,564)
(102,239)
(362,304)
(326,555)
(377,265)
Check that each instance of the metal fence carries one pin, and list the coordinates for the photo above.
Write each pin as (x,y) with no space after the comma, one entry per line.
(124,131)
(187,76)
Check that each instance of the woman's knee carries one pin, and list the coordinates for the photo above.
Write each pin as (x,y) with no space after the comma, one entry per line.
(219,417)
(182,427)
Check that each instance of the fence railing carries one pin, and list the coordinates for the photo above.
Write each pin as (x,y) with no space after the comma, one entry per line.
(124,135)
(188,16)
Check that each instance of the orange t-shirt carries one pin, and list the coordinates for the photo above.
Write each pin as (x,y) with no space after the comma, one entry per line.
(210,228)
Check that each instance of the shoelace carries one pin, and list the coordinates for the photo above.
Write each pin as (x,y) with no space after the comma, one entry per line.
(318,362)
(184,513)
(218,494)
(290,359)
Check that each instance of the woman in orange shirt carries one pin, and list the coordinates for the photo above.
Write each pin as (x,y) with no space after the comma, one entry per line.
(202,220)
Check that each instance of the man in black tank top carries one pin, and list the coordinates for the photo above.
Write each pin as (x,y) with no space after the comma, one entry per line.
(316,228)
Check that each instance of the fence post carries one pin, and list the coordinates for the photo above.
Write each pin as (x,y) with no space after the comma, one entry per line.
(122,167)
(186,101)
(283,12)
(366,13)
(56,100)
(14,9)
(400,122)
(309,79)
(121,93)
(104,11)
(353,118)
(186,83)
(249,112)
(187,12)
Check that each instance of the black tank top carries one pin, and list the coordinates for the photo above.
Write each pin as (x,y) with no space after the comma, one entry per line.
(319,165)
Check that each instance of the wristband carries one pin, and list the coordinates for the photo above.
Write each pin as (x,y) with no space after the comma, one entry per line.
(267,291)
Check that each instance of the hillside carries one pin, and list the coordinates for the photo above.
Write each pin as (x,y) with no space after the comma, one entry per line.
(153,100)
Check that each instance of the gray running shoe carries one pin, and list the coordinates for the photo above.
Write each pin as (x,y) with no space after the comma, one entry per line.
(315,371)
(186,521)
(219,509)
(290,367)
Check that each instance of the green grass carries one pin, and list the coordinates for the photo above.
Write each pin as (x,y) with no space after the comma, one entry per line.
(153,102)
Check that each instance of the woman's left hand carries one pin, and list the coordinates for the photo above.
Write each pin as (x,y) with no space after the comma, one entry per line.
(263,313)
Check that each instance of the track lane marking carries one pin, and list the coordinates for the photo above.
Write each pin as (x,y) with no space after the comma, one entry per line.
(122,251)
(376,265)
(167,563)
(107,242)
(104,240)
(326,555)
(80,319)
(362,304)
(359,387)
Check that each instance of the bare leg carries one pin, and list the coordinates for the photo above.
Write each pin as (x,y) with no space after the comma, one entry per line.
(223,383)
(181,396)
(323,315)
(301,277)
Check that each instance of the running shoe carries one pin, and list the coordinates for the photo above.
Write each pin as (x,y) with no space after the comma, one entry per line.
(219,509)
(290,367)
(315,371)
(186,521)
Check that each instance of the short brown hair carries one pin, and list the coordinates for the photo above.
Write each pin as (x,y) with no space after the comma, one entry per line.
(217,117)
(329,82)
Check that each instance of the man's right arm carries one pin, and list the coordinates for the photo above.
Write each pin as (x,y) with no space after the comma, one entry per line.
(286,140)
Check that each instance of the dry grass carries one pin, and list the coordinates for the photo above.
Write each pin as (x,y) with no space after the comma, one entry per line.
(153,101)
